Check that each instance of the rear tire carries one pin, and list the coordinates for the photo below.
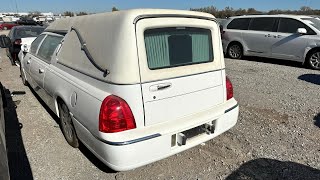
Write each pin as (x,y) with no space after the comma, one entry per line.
(235,51)
(66,125)
(313,60)
(5,28)
(23,77)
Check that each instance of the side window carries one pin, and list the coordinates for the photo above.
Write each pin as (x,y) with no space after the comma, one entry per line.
(263,24)
(35,44)
(240,23)
(48,47)
(287,25)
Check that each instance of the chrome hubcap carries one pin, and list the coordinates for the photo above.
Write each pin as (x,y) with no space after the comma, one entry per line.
(235,51)
(315,60)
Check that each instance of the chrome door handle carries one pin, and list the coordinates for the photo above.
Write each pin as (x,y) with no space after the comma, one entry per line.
(28,62)
(159,87)
(268,35)
(41,71)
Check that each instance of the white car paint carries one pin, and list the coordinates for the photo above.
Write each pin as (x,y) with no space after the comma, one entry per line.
(196,97)
(25,47)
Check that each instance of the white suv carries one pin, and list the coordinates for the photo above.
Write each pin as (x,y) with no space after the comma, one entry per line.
(288,37)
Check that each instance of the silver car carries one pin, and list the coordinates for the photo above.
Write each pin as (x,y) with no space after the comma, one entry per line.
(288,37)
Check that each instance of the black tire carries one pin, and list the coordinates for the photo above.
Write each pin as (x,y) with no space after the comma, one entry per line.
(66,126)
(313,60)
(235,51)
(23,77)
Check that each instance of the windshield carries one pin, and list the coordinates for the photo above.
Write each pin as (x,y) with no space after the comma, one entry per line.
(315,22)
(28,32)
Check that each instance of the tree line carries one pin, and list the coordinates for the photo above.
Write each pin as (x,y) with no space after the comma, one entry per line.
(229,11)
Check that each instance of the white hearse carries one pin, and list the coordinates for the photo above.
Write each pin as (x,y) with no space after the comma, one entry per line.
(134,86)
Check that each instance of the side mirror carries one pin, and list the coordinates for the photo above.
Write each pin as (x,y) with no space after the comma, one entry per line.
(302,31)
(4,41)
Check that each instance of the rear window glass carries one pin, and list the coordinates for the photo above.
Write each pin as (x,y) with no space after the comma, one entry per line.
(263,24)
(241,24)
(28,32)
(172,47)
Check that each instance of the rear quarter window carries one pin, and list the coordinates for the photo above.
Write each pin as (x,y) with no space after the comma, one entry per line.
(48,47)
(35,44)
(240,24)
(172,47)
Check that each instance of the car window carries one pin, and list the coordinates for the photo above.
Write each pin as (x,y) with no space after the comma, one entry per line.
(48,47)
(172,47)
(241,24)
(28,32)
(263,24)
(35,44)
(315,22)
(287,25)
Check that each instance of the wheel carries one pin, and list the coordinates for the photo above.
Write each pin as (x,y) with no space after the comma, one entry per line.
(313,60)
(11,59)
(5,28)
(23,77)
(67,126)
(235,51)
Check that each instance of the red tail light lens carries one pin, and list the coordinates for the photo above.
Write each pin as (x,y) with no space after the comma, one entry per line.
(18,41)
(115,115)
(229,88)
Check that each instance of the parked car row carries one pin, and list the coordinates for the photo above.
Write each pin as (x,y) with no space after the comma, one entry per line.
(7,25)
(287,37)
(137,91)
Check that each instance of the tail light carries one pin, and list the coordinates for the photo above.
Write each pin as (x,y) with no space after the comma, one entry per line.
(229,88)
(115,115)
(17,42)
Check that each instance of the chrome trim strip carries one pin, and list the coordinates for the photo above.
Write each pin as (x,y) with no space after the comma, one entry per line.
(232,108)
(138,18)
(128,142)
(119,143)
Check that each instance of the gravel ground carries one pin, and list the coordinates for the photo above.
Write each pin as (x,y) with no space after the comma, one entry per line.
(276,137)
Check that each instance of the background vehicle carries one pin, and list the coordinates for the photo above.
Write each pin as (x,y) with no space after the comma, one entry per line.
(137,107)
(7,25)
(287,37)
(26,21)
(15,36)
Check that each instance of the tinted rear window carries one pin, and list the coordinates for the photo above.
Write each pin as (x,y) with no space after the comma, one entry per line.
(172,47)
(263,24)
(241,24)
(28,32)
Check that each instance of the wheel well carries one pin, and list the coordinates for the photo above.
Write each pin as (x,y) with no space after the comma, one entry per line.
(58,101)
(235,42)
(311,51)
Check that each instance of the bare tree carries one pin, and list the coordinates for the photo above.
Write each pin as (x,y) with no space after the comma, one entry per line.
(68,13)
(114,9)
(82,13)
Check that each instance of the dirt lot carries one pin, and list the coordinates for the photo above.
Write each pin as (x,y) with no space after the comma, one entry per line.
(276,137)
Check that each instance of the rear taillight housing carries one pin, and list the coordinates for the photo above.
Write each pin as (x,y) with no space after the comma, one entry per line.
(229,88)
(115,115)
(17,42)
